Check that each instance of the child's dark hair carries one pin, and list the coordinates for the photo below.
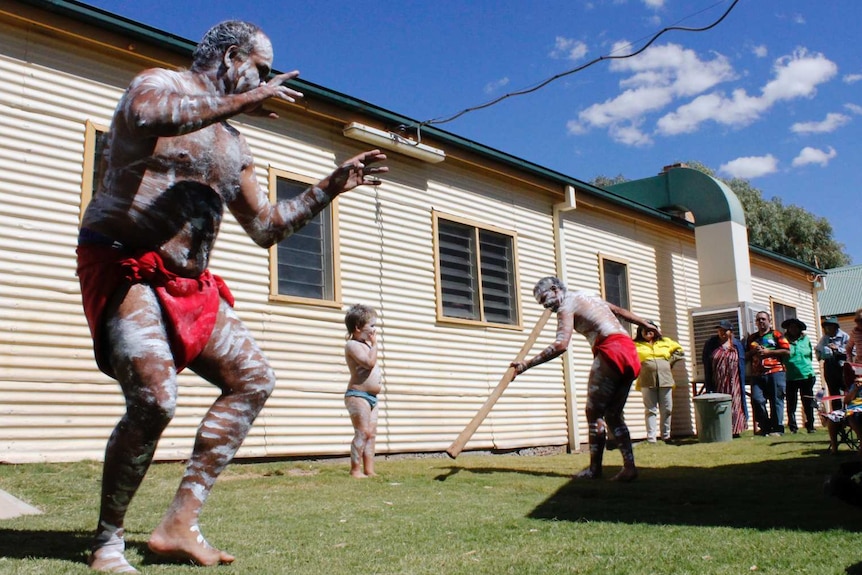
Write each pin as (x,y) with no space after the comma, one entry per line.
(358,316)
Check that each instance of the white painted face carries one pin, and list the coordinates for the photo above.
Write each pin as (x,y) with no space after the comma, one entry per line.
(249,73)
(550,298)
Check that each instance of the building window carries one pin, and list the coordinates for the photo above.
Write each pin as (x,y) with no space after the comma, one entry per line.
(304,263)
(476,272)
(95,139)
(615,282)
(781,313)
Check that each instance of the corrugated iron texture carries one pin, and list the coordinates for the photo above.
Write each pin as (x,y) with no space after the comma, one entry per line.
(663,284)
(57,406)
(843,291)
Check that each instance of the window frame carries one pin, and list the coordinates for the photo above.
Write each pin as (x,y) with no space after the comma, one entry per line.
(91,132)
(273,175)
(438,287)
(603,285)
(776,324)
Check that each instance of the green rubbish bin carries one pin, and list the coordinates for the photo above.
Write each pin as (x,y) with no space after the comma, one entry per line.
(712,416)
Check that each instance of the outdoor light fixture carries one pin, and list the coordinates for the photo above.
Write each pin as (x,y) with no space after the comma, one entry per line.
(395,142)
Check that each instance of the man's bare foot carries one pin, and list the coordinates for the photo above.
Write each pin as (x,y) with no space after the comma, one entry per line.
(186,544)
(588,473)
(109,562)
(357,475)
(626,475)
(370,474)
(109,558)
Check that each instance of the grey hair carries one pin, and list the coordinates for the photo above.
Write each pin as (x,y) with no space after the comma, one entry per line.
(548,282)
(358,317)
(222,36)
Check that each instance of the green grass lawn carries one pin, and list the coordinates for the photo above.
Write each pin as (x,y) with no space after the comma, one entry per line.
(754,505)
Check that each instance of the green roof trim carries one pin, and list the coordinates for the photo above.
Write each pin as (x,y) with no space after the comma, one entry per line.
(392,120)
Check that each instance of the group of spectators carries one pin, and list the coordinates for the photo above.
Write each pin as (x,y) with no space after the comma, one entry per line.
(779,367)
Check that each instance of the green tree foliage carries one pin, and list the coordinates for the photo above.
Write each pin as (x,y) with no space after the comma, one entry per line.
(787,230)
(604,181)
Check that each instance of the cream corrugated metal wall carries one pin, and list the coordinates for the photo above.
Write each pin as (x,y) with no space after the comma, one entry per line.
(663,285)
(55,405)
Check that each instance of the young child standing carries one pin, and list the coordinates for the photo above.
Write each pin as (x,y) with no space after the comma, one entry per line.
(361,396)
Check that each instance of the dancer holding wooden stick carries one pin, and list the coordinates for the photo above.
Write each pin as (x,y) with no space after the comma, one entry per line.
(615,365)
(462,439)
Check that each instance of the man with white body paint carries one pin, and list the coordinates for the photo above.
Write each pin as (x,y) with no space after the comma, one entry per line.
(172,164)
(615,365)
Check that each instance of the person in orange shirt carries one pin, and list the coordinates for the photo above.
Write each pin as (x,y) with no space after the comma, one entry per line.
(767,349)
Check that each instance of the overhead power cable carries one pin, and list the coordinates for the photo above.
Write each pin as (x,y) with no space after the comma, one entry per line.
(656,36)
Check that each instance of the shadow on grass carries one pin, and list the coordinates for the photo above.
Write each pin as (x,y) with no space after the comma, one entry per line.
(776,494)
(786,494)
(26,543)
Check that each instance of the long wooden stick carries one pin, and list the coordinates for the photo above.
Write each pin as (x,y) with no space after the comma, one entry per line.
(459,443)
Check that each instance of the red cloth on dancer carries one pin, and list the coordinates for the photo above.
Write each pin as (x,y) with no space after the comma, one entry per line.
(189,305)
(619,350)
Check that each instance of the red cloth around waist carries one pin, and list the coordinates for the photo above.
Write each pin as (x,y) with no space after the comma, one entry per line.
(619,350)
(189,305)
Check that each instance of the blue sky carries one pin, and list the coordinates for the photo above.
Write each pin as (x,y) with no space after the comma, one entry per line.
(772,94)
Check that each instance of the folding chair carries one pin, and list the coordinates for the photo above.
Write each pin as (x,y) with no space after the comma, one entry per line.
(835,420)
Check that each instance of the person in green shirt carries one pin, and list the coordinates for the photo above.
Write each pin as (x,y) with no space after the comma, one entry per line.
(800,374)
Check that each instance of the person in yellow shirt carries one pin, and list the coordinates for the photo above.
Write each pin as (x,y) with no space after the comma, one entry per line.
(657,355)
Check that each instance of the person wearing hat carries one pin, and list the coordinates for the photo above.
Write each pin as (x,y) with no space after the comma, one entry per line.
(832,351)
(800,373)
(723,360)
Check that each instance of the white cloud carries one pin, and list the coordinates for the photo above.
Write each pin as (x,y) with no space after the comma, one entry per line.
(738,110)
(568,49)
(795,76)
(630,135)
(654,79)
(664,74)
(810,155)
(851,78)
(654,4)
(832,122)
(798,19)
(760,51)
(750,167)
(629,106)
(492,87)
(798,75)
(855,108)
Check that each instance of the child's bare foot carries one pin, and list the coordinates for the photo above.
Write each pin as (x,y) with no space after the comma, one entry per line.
(370,474)
(186,544)
(358,475)
(626,475)
(588,473)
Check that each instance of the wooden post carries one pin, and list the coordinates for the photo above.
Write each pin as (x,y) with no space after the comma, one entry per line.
(459,443)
